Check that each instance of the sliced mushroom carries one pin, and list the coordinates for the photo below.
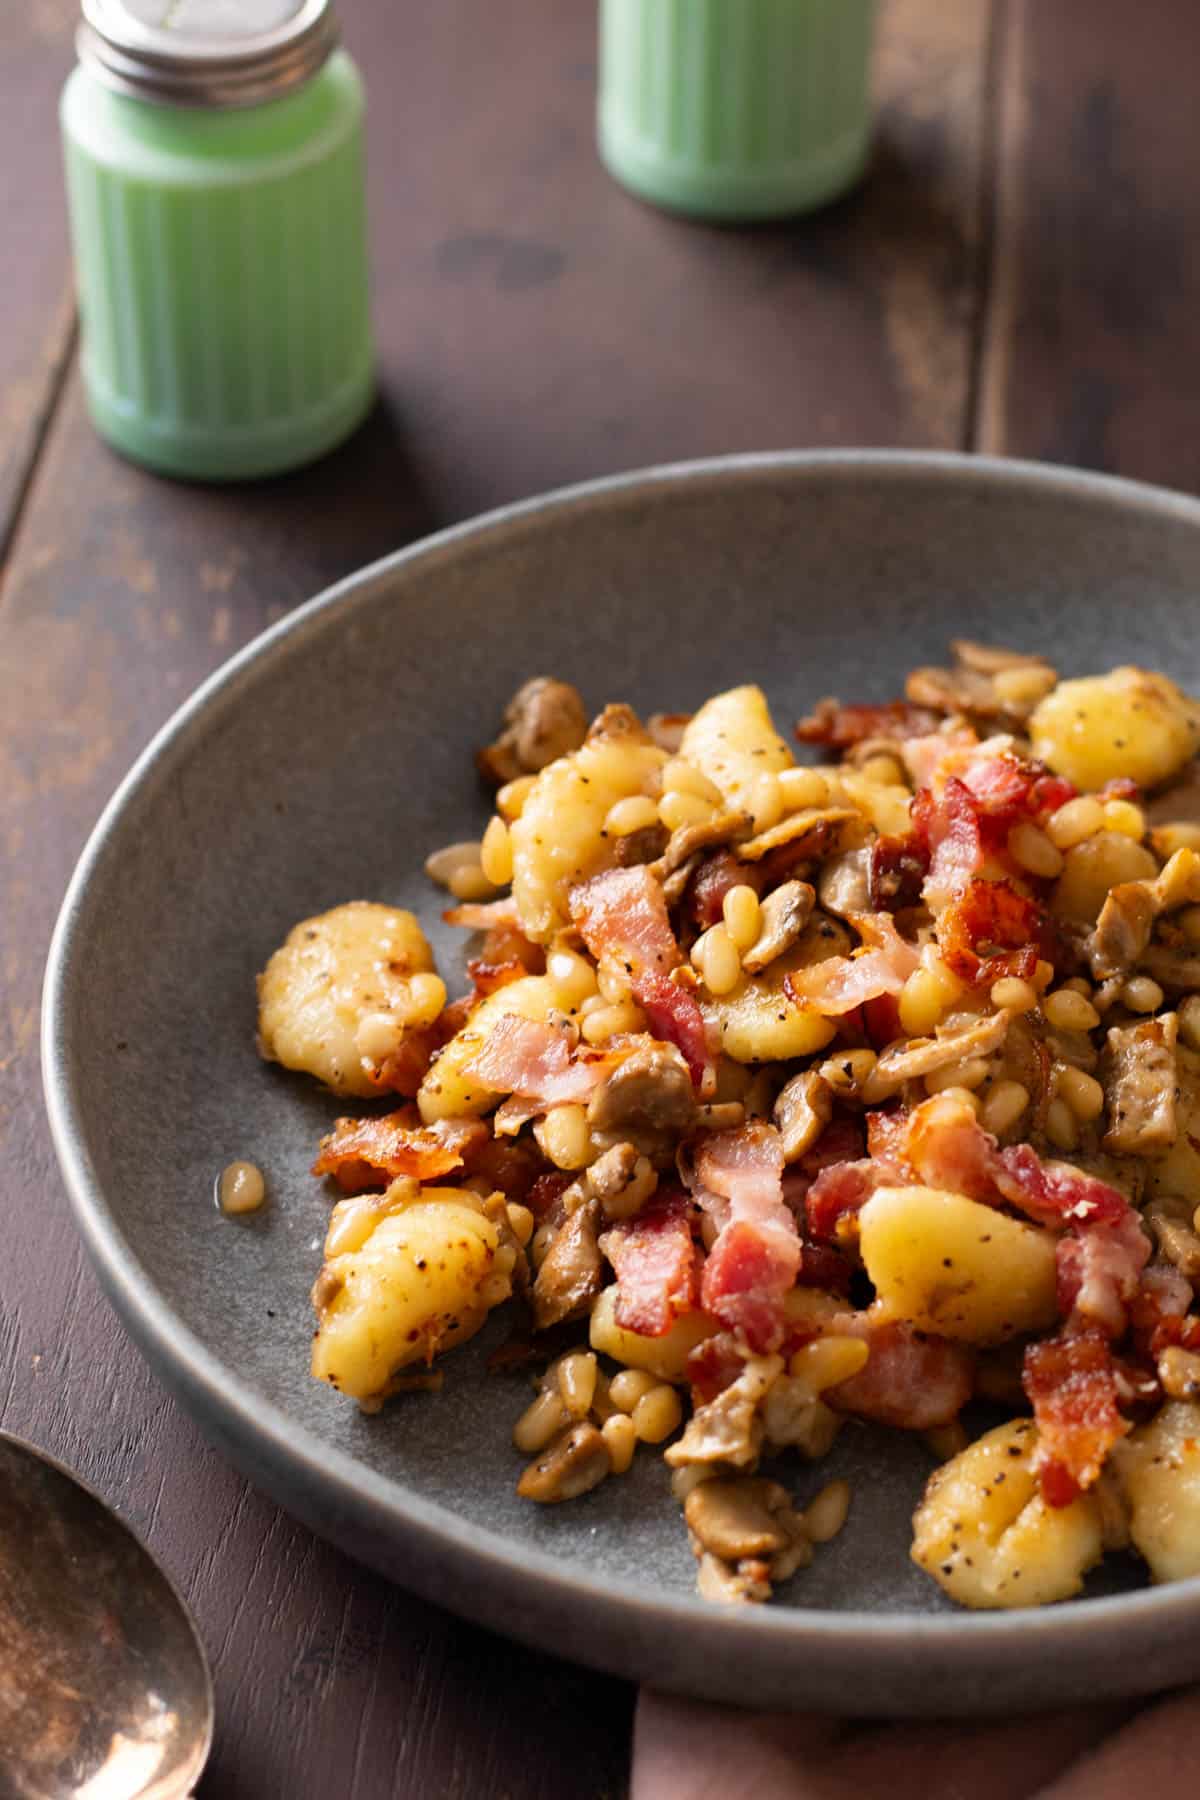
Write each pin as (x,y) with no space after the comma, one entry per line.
(622,1180)
(704,834)
(1122,931)
(808,834)
(650,1090)
(544,720)
(1171,1219)
(844,884)
(1140,1080)
(802,1111)
(571,1465)
(728,1429)
(784,912)
(746,1584)
(742,1517)
(1176,970)
(907,1060)
(572,1271)
(991,659)
(618,722)
(643,846)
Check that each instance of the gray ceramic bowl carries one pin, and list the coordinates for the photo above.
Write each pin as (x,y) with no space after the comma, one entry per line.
(324,763)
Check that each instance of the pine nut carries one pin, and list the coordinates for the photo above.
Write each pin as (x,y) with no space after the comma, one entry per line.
(1003,1106)
(743,915)
(1075,821)
(682,777)
(884,771)
(564,1136)
(629,1386)
(1082,1093)
(539,1423)
(1125,817)
(511,798)
(828,1361)
(1061,1128)
(802,788)
(1031,849)
(470,883)
(657,1414)
(1068,1011)
(495,854)
(972,1072)
(605,1022)
(620,1434)
(676,809)
(922,1003)
(962,1094)
(443,864)
(720,964)
(1140,994)
(764,801)
(520,1222)
(1189,1021)
(573,976)
(1013,995)
(577,1382)
(637,812)
(425,998)
(825,1516)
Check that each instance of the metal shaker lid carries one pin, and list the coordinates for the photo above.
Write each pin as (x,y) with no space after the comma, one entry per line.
(206,53)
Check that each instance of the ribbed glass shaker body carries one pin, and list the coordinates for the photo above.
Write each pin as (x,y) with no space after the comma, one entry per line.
(735,109)
(221,263)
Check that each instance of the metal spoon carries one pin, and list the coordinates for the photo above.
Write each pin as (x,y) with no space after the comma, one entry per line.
(105,1692)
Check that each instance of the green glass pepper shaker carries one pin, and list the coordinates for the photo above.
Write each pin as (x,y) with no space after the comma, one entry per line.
(214,165)
(735,109)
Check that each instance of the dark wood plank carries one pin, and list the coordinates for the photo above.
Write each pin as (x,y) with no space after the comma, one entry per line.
(535,326)
(35,55)
(1094,321)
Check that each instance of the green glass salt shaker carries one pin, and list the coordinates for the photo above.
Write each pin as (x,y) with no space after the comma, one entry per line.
(735,109)
(214,165)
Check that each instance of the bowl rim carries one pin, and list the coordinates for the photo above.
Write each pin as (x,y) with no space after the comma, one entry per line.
(246,1421)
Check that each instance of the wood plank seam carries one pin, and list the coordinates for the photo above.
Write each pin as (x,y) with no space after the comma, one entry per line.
(989,210)
(43,423)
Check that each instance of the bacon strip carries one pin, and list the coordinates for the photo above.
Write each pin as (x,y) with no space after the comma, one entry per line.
(656,1265)
(532,1058)
(1071,1383)
(623,915)
(365,1153)
(912,1380)
(674,1015)
(841,983)
(757,1253)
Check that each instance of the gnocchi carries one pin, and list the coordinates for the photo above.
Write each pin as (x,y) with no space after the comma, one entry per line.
(416,1284)
(334,977)
(1131,724)
(1158,1467)
(985,1534)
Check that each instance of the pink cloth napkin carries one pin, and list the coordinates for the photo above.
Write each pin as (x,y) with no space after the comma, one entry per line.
(684,1750)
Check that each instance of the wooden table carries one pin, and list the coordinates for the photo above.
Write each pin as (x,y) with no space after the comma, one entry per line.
(1019,275)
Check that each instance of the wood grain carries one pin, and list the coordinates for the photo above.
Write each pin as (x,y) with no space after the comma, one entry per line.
(1093,336)
(535,326)
(35,55)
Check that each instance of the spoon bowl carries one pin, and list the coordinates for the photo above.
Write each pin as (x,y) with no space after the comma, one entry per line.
(105,1691)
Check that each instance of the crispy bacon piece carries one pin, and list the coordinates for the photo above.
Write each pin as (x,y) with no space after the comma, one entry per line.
(1160,1311)
(368,1153)
(714,1365)
(1098,1271)
(841,983)
(839,1193)
(674,1015)
(946,1147)
(623,915)
(473,915)
(532,1058)
(405,1068)
(1071,1383)
(968,806)
(656,1264)
(887,1132)
(990,931)
(896,872)
(924,757)
(912,1380)
(713,880)
(843,726)
(950,828)
(756,1256)
(487,977)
